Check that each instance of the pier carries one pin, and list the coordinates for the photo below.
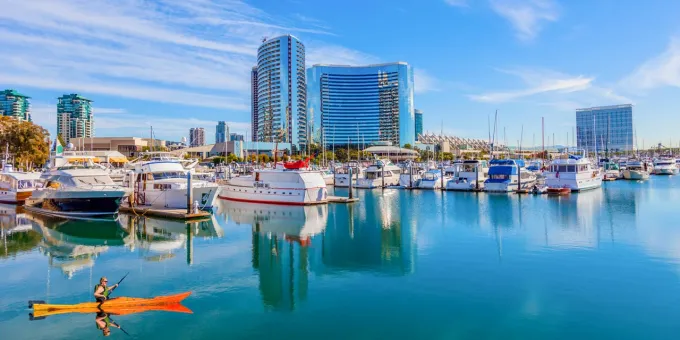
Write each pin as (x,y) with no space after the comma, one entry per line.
(178,214)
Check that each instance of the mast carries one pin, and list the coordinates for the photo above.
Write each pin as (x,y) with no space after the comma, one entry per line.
(543,155)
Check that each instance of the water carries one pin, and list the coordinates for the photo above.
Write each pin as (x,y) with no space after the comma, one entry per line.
(399,264)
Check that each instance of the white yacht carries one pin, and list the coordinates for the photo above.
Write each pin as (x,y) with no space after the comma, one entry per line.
(469,175)
(574,172)
(506,175)
(163,184)
(76,188)
(635,170)
(432,179)
(410,174)
(382,173)
(342,174)
(612,171)
(277,186)
(665,166)
(16,187)
(328,176)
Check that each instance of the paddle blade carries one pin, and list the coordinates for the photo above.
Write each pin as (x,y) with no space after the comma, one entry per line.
(34,302)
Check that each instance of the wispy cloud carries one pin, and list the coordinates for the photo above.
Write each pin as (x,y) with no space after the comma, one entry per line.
(662,70)
(550,88)
(457,3)
(526,16)
(424,82)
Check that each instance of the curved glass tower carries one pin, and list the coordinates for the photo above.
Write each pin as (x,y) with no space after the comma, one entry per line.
(281,91)
(360,105)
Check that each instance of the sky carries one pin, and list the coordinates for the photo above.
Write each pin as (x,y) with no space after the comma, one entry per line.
(176,64)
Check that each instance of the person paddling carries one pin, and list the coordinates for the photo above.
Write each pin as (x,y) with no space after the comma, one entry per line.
(104,323)
(102,291)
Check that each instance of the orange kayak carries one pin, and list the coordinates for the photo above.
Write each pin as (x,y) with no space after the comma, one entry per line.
(175,308)
(120,303)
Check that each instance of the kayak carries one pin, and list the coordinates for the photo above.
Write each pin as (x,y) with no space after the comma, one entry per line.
(115,303)
(174,307)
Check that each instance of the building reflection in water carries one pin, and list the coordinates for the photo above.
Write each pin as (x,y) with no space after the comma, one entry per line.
(282,239)
(16,232)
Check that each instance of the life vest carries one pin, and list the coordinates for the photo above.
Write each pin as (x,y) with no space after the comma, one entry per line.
(106,290)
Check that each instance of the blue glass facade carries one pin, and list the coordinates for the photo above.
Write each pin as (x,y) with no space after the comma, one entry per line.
(15,104)
(419,123)
(282,91)
(221,132)
(360,105)
(75,118)
(605,128)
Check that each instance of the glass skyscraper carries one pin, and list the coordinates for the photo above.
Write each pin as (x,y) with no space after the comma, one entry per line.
(419,123)
(15,104)
(253,104)
(221,132)
(282,91)
(75,118)
(605,128)
(360,105)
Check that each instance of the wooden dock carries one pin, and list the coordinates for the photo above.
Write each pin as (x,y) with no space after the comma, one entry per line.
(339,199)
(177,214)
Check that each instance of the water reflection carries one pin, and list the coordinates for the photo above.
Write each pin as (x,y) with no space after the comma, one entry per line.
(16,232)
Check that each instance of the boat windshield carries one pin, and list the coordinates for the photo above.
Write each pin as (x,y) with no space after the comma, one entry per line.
(168,175)
(26,184)
(92,180)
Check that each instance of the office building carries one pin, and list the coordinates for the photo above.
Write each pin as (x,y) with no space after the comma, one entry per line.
(360,105)
(282,92)
(221,132)
(196,137)
(75,117)
(235,137)
(253,104)
(605,128)
(418,123)
(15,104)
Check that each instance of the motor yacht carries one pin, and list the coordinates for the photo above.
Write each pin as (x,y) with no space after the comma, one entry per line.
(76,188)
(432,179)
(16,187)
(636,170)
(611,169)
(292,185)
(574,172)
(468,175)
(163,184)
(665,166)
(410,174)
(342,174)
(383,173)
(507,175)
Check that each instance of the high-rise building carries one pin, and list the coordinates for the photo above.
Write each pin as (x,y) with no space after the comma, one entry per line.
(196,137)
(253,104)
(418,123)
(15,104)
(282,91)
(605,128)
(361,105)
(75,117)
(235,137)
(221,132)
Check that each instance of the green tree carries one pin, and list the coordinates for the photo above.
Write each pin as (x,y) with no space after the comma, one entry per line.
(341,155)
(263,158)
(219,160)
(447,156)
(233,158)
(28,143)
(408,146)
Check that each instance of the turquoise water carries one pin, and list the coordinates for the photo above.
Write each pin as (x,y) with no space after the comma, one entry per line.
(603,264)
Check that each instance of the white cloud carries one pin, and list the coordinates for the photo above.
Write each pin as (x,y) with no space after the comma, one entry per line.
(662,70)
(424,82)
(526,16)
(457,3)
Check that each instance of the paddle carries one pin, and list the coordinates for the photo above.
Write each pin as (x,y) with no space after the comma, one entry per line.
(117,284)
(121,328)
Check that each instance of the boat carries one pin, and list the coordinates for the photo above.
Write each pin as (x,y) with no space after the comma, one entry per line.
(574,172)
(508,175)
(468,175)
(126,310)
(114,303)
(79,189)
(636,171)
(432,179)
(277,186)
(410,174)
(383,173)
(16,187)
(341,174)
(328,176)
(665,166)
(558,191)
(163,183)
(611,169)
(535,166)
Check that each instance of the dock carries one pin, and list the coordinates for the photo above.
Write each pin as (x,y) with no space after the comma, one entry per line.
(178,214)
(340,199)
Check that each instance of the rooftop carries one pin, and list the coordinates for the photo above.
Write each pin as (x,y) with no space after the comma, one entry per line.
(12,92)
(610,107)
(74,96)
(390,149)
(362,66)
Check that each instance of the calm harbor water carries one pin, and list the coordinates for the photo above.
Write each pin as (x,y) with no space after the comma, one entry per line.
(398,264)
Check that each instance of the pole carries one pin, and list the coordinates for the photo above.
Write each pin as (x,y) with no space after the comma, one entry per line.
(350,182)
(477,176)
(189,198)
(543,138)
(382,175)
(410,176)
(519,178)
(441,177)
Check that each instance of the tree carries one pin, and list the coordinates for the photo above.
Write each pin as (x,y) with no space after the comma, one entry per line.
(219,160)
(28,143)
(263,158)
(408,146)
(341,155)
(447,156)
(233,158)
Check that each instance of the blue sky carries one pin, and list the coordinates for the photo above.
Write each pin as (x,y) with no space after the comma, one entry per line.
(175,64)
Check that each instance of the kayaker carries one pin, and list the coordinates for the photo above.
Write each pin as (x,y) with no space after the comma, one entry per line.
(104,323)
(102,291)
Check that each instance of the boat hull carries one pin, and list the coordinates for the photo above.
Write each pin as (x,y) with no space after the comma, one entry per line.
(575,184)
(463,184)
(282,196)
(364,183)
(508,186)
(665,171)
(635,175)
(177,198)
(122,302)
(76,207)
(14,197)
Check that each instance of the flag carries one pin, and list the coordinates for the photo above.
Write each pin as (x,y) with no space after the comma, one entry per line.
(58,148)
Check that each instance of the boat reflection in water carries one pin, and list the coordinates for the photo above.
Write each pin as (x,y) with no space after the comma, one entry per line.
(73,245)
(282,239)
(16,231)
(159,239)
